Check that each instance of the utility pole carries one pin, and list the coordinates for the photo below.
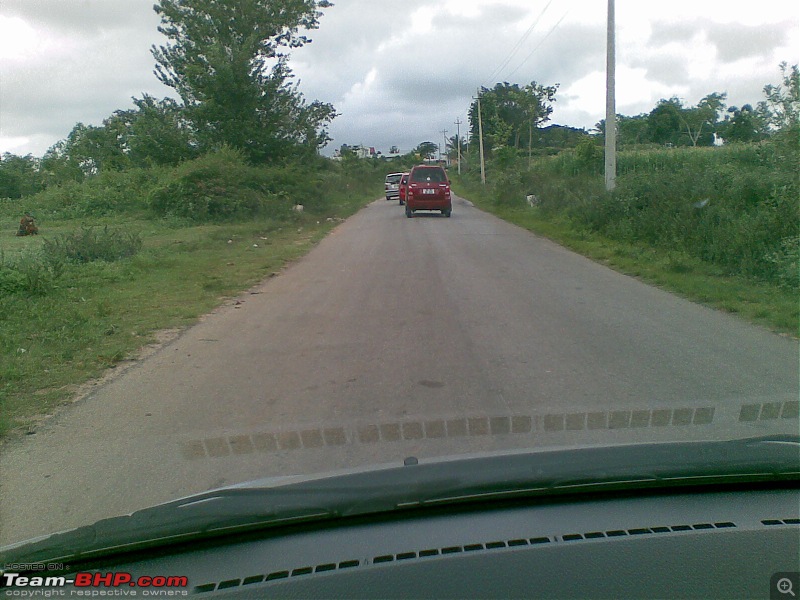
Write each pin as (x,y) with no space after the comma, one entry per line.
(611,110)
(444,136)
(458,142)
(480,139)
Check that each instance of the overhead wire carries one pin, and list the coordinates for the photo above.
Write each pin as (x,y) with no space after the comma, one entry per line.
(549,33)
(519,43)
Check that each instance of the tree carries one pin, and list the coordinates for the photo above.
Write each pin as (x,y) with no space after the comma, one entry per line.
(154,133)
(664,122)
(85,152)
(394,150)
(742,125)
(511,113)
(630,130)
(426,150)
(453,143)
(702,117)
(781,109)
(19,176)
(226,62)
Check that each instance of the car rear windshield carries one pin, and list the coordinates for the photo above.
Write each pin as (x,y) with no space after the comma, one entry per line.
(432,174)
(393,178)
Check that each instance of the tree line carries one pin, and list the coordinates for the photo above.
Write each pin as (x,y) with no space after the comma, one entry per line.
(512,117)
(228,64)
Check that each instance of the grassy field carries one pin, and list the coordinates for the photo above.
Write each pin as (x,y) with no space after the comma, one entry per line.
(77,320)
(763,303)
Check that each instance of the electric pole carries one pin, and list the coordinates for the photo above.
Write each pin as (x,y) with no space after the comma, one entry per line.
(458,142)
(444,136)
(611,110)
(480,139)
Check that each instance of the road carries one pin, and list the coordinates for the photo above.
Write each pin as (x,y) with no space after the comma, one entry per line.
(398,337)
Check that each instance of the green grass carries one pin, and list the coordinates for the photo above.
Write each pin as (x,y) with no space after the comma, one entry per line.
(96,314)
(759,302)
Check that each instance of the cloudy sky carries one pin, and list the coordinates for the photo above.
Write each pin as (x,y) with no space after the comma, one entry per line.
(401,71)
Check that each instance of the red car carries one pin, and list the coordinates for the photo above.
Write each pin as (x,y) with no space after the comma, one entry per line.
(401,190)
(428,189)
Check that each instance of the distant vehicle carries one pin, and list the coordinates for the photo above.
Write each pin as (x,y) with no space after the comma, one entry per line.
(391,185)
(403,188)
(428,189)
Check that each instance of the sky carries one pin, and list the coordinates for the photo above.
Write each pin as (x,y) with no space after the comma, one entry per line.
(400,72)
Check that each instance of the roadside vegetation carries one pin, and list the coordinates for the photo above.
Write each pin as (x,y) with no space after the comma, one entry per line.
(104,276)
(154,217)
(719,224)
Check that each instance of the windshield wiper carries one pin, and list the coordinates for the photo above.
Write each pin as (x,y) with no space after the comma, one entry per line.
(264,504)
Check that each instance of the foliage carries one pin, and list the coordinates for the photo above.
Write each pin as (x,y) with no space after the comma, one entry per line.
(781,109)
(19,176)
(108,193)
(91,244)
(734,207)
(225,61)
(703,117)
(510,113)
(217,186)
(155,133)
(28,274)
(426,150)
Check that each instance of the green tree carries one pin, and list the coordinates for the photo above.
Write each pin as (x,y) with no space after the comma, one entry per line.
(453,142)
(226,62)
(630,130)
(664,122)
(742,125)
(703,118)
(511,114)
(426,150)
(19,176)
(85,152)
(154,133)
(781,109)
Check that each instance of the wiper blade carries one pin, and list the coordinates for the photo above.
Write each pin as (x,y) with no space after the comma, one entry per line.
(252,506)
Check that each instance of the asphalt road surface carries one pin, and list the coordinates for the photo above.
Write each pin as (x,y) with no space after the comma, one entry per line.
(396,337)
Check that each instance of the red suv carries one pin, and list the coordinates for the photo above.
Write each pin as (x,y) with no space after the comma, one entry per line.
(428,189)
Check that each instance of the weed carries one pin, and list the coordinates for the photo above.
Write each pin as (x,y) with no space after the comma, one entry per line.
(91,244)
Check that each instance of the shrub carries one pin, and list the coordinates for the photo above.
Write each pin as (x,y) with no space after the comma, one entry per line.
(28,274)
(786,262)
(218,186)
(735,206)
(90,244)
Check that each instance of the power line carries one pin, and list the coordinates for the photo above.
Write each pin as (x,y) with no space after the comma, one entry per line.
(540,43)
(518,45)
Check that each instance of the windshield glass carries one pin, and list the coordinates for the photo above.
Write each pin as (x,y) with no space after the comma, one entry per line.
(430,174)
(207,284)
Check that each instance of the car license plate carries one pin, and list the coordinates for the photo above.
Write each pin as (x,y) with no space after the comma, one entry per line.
(428,191)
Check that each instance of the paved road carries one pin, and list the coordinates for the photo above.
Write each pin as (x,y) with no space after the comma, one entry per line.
(399,337)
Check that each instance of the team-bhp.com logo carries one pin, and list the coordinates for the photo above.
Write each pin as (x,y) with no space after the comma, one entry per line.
(156,584)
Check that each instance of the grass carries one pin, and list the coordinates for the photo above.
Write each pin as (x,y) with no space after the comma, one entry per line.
(96,314)
(759,302)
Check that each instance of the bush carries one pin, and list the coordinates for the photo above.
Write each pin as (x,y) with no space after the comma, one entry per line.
(90,244)
(735,207)
(786,262)
(220,186)
(28,274)
(108,193)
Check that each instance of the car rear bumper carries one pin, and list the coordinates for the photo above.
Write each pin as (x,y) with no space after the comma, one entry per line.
(429,204)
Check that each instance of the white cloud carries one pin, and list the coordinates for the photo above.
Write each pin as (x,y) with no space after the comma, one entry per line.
(400,71)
